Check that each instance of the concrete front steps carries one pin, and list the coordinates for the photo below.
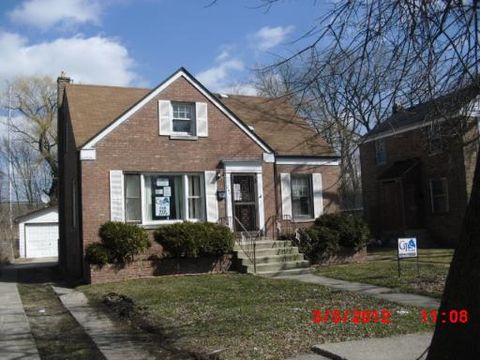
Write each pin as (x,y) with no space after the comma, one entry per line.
(273,258)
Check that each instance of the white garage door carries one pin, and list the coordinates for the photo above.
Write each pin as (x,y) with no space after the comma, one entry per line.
(41,240)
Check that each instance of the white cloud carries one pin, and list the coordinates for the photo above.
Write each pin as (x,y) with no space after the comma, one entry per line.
(47,13)
(217,77)
(93,60)
(269,37)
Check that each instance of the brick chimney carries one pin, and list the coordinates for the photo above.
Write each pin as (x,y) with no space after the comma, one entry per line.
(62,81)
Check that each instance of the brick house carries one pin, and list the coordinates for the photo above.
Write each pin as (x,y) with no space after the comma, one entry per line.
(179,152)
(417,169)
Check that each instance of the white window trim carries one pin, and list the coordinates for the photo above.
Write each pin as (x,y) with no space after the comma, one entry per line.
(447,198)
(185,208)
(193,127)
(312,215)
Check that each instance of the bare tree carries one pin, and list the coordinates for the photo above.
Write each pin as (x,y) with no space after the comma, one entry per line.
(30,173)
(34,105)
(428,49)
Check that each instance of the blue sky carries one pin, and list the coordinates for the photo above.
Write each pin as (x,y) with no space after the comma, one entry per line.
(140,42)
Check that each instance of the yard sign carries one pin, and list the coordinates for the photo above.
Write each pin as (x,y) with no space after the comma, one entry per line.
(407,248)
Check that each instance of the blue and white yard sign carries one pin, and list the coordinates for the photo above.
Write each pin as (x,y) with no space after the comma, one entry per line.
(407,247)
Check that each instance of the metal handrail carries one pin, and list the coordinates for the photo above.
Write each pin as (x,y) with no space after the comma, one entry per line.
(253,243)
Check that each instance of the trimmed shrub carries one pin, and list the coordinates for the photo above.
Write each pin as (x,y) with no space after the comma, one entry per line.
(97,254)
(318,242)
(191,240)
(352,230)
(123,241)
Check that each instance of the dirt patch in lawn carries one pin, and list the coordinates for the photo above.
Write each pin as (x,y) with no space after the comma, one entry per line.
(125,308)
(57,334)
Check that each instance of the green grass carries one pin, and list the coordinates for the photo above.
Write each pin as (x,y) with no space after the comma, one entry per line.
(381,269)
(251,317)
(57,334)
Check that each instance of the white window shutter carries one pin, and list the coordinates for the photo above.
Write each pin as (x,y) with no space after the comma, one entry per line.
(211,195)
(317,194)
(165,114)
(202,119)
(286,189)
(117,209)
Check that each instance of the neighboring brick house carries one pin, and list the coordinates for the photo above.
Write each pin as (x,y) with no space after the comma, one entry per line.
(178,153)
(417,169)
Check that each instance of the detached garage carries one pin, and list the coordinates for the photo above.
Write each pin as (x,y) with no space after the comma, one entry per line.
(38,233)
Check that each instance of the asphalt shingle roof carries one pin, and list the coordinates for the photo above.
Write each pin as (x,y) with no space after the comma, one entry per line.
(92,108)
(443,106)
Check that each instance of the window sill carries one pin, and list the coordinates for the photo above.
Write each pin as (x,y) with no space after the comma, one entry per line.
(303,220)
(155,225)
(183,137)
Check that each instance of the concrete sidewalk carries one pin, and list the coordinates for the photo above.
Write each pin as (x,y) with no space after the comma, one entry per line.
(367,289)
(16,340)
(402,347)
(110,340)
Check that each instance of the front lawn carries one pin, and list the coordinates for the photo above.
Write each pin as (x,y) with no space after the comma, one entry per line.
(381,269)
(251,317)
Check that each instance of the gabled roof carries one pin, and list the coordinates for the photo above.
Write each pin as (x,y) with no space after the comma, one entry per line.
(276,122)
(36,213)
(445,106)
(272,123)
(93,107)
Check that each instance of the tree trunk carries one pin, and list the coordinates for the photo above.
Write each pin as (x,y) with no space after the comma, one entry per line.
(462,289)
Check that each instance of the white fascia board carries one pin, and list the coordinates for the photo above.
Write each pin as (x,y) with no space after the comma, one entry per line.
(158,90)
(232,166)
(268,157)
(88,154)
(306,161)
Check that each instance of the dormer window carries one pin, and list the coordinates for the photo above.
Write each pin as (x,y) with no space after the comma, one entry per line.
(183,119)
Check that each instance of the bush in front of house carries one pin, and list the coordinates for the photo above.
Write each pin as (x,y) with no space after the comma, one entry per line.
(123,241)
(330,234)
(120,243)
(318,242)
(352,230)
(97,254)
(191,240)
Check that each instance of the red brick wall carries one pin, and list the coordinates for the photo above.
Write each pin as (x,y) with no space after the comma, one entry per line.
(153,267)
(443,228)
(136,146)
(330,181)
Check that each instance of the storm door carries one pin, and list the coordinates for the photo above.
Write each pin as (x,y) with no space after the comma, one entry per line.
(244,199)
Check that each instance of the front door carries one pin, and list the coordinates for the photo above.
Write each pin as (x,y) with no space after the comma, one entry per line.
(244,199)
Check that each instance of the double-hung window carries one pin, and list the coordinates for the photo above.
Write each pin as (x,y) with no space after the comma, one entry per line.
(153,198)
(380,152)
(133,202)
(195,204)
(183,120)
(439,195)
(302,202)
